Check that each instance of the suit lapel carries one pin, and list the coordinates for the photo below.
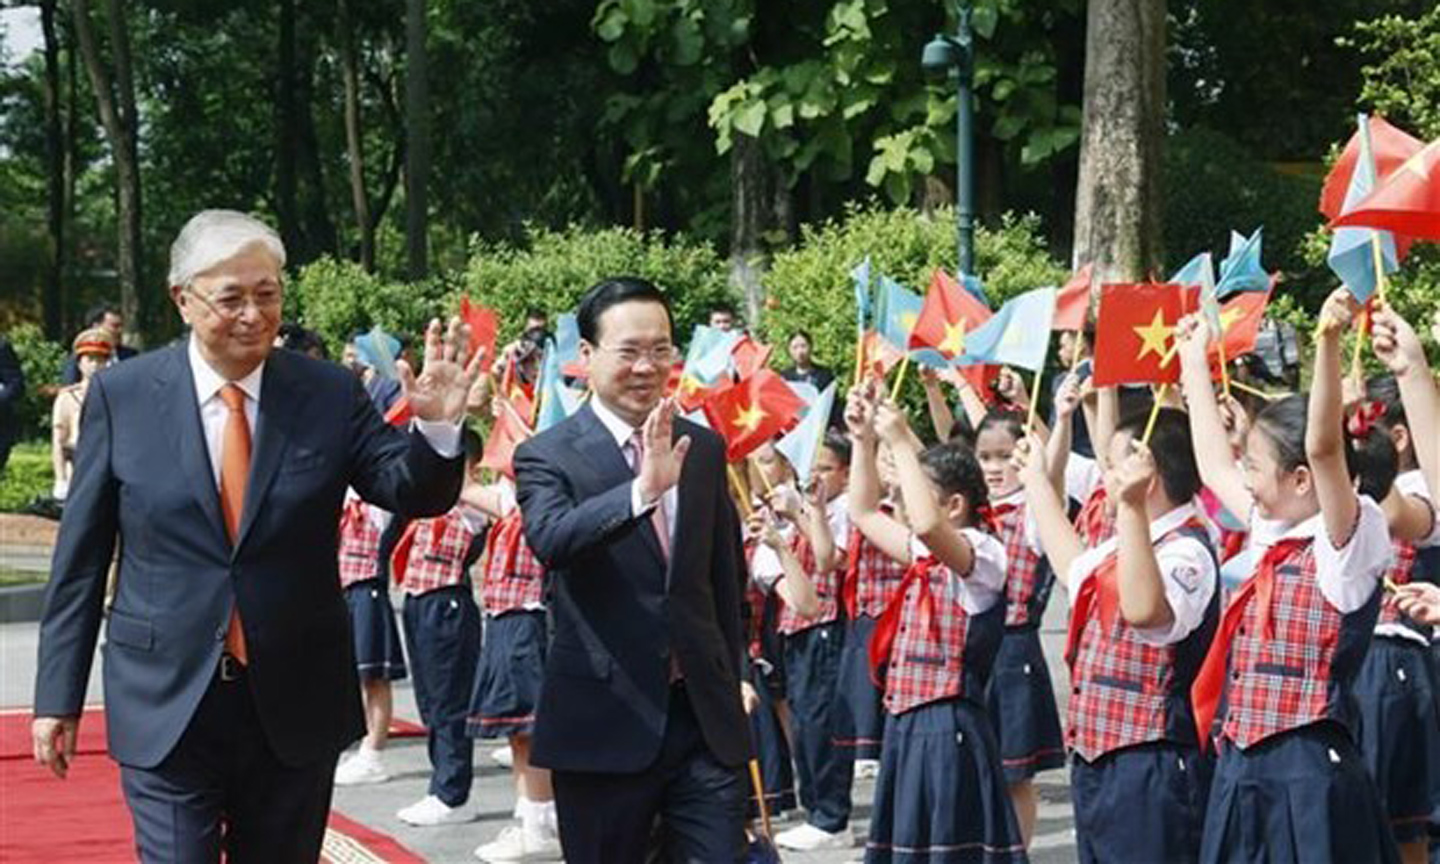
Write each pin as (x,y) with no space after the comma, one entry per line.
(180,417)
(598,446)
(281,399)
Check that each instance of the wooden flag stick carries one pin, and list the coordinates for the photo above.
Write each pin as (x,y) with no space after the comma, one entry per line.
(859,358)
(1355,362)
(1224,366)
(1379,264)
(1160,395)
(900,379)
(1261,394)
(740,491)
(760,798)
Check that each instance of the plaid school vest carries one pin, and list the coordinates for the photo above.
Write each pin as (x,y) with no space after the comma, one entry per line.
(436,554)
(827,586)
(872,579)
(939,651)
(1029,578)
(1303,672)
(359,545)
(511,577)
(1124,692)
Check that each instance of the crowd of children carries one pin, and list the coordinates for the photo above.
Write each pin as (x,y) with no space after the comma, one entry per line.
(1249,654)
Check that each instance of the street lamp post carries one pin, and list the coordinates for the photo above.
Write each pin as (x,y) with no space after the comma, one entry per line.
(955,55)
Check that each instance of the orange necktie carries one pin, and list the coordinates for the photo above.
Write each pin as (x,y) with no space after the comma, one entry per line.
(234,474)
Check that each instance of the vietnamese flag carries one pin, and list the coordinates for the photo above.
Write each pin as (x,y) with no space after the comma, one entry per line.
(948,314)
(1240,318)
(880,355)
(1073,302)
(484,325)
(1406,203)
(749,356)
(509,431)
(1134,332)
(753,412)
(1390,148)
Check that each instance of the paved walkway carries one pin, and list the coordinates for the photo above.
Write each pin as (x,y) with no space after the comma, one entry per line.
(492,792)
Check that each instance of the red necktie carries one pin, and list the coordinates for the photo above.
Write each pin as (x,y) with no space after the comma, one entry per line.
(1101,588)
(850,588)
(1260,588)
(1091,519)
(234,474)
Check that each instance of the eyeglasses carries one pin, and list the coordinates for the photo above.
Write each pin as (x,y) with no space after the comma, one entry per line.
(660,355)
(230,305)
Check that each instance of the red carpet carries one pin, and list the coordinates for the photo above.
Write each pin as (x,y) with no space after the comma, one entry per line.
(83,818)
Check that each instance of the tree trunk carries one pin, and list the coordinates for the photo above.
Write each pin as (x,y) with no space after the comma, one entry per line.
(354,149)
(318,230)
(55,174)
(749,203)
(396,121)
(1118,215)
(72,166)
(287,201)
(417,134)
(120,135)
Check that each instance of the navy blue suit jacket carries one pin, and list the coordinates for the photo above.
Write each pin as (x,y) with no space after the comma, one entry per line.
(143,476)
(618,612)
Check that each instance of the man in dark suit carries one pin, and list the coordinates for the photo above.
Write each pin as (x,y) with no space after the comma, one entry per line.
(230,687)
(108,317)
(640,717)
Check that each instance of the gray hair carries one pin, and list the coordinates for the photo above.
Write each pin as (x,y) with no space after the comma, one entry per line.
(213,236)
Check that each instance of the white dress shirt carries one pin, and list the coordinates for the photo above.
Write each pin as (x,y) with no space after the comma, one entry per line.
(623,432)
(985,586)
(444,438)
(1187,571)
(1347,575)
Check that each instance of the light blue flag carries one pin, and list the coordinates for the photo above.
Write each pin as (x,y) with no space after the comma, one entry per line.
(567,338)
(378,350)
(975,287)
(1352,256)
(709,354)
(697,417)
(1200,272)
(802,443)
(1018,335)
(860,279)
(896,313)
(1241,270)
(556,400)
(1191,273)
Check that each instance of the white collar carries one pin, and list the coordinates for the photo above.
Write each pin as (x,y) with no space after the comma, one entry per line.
(1159,526)
(1306,529)
(837,505)
(618,428)
(1017,497)
(208,382)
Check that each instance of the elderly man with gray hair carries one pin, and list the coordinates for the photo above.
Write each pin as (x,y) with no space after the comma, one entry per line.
(219,465)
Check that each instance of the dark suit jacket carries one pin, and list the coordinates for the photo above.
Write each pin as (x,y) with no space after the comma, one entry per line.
(618,613)
(12,389)
(143,475)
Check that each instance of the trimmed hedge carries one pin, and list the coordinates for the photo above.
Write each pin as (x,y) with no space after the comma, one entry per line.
(27,475)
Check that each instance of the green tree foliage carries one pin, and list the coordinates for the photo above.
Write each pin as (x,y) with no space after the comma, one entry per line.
(551,269)
(338,299)
(40,360)
(1402,74)
(810,288)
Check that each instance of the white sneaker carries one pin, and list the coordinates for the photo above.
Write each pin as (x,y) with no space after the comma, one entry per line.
(515,844)
(867,769)
(806,838)
(430,811)
(503,756)
(363,766)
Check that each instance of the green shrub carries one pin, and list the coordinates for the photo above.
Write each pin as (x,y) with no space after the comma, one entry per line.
(809,286)
(40,359)
(27,475)
(1214,185)
(551,269)
(338,299)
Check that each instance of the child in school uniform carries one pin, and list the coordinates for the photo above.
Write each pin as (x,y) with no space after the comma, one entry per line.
(941,795)
(870,580)
(379,659)
(1275,692)
(1021,698)
(442,636)
(811,645)
(511,668)
(1144,608)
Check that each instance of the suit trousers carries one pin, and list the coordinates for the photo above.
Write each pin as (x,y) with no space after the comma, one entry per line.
(686,803)
(222,788)
(442,636)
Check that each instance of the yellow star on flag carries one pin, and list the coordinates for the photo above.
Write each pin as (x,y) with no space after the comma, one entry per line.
(954,341)
(907,320)
(689,384)
(1153,336)
(1229,317)
(748,417)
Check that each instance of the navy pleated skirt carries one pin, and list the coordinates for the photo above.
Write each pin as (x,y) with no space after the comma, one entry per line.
(1399,734)
(941,797)
(1021,701)
(1144,803)
(508,678)
(378,655)
(859,715)
(1300,796)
